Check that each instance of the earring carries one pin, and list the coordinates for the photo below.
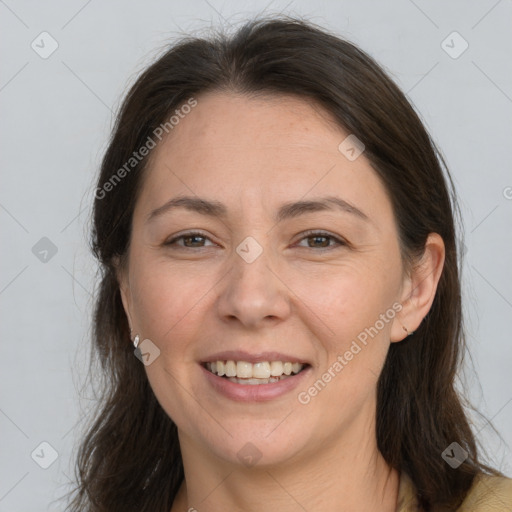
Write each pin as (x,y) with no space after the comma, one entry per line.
(407,331)
(136,341)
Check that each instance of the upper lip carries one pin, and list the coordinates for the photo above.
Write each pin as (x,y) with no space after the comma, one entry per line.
(257,357)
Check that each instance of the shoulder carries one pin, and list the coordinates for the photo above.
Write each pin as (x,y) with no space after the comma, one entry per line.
(488,494)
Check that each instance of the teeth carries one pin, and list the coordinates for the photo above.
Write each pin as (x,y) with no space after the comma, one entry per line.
(261,370)
(252,382)
(243,369)
(258,373)
(276,368)
(230,369)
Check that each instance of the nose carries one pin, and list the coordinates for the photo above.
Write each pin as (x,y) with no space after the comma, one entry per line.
(253,293)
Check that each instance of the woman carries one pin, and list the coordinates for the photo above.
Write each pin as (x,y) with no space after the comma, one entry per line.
(277,240)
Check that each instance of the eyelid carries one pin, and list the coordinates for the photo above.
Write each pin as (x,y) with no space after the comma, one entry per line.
(303,236)
(315,232)
(179,236)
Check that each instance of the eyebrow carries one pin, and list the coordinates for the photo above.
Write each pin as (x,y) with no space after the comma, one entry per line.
(288,210)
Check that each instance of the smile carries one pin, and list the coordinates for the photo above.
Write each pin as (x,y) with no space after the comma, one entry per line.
(244,372)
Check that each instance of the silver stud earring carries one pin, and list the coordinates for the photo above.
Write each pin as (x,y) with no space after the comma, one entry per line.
(136,341)
(407,331)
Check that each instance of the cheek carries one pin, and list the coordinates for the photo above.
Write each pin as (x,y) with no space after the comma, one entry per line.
(167,302)
(353,356)
(349,298)
(361,314)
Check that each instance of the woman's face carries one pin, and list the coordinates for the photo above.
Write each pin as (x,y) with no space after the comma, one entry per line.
(295,261)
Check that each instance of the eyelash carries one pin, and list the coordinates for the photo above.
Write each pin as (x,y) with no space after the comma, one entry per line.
(306,235)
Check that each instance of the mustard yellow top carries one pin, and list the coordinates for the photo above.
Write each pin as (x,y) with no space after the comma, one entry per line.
(488,494)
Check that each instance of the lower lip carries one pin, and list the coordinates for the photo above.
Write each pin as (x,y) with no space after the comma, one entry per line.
(254,392)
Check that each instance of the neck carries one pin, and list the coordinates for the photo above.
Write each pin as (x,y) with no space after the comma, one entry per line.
(347,476)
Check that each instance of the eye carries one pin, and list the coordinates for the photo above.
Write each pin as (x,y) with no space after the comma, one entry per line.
(191,240)
(318,239)
(321,240)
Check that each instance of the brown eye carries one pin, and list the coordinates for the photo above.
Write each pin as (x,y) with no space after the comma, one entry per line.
(190,240)
(321,240)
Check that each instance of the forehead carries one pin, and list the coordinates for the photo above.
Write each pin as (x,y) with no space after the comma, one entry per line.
(237,148)
(247,124)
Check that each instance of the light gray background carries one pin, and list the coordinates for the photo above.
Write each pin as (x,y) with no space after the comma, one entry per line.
(56,118)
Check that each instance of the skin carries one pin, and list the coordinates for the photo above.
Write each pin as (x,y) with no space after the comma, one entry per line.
(198,297)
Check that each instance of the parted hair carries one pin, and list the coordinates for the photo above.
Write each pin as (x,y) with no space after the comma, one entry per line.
(129,457)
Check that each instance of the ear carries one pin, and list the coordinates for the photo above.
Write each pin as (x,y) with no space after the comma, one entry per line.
(124,288)
(419,288)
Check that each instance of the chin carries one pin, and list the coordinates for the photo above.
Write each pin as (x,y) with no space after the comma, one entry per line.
(259,444)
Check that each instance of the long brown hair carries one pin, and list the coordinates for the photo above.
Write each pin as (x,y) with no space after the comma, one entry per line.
(130,457)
